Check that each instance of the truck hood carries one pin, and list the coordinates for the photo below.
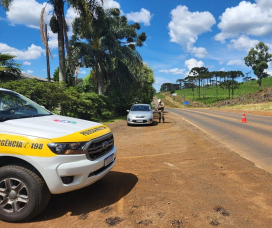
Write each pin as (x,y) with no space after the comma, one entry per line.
(52,126)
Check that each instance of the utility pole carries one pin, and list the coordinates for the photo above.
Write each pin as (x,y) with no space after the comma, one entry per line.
(47,54)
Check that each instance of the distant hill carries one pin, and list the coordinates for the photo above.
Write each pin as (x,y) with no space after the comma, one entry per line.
(247,93)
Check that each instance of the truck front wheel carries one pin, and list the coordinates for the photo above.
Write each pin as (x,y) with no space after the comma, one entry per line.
(23,194)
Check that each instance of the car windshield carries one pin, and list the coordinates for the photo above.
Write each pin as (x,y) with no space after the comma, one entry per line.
(14,106)
(140,108)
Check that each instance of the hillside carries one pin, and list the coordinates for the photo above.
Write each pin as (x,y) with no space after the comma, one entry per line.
(247,95)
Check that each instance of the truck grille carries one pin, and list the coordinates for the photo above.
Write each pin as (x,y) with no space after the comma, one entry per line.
(98,147)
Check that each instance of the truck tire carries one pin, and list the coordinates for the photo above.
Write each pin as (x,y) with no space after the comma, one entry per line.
(23,194)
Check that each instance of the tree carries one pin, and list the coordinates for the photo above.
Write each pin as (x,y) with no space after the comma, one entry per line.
(111,47)
(168,87)
(58,24)
(145,78)
(78,52)
(68,73)
(180,81)
(258,59)
(197,72)
(185,82)
(9,70)
(228,84)
(208,77)
(233,75)
(216,74)
(191,81)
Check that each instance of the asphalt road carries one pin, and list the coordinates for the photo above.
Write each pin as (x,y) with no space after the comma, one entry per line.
(252,140)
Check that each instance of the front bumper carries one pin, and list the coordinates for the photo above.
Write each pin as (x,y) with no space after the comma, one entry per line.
(84,172)
(133,120)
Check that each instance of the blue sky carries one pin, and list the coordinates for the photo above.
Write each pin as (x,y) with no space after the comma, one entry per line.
(181,34)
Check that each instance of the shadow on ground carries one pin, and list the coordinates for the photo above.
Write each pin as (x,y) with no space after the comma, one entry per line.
(103,193)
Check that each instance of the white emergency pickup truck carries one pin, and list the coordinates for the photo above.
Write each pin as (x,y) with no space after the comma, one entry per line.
(42,154)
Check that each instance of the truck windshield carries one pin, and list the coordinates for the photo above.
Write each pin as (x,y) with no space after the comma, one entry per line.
(14,106)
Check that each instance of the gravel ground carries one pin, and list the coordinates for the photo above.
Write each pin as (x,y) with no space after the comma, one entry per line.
(166,175)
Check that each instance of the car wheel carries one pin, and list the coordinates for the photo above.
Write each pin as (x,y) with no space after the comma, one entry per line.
(128,124)
(23,194)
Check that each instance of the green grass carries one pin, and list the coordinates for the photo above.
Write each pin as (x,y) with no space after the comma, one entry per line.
(223,94)
(160,95)
(107,121)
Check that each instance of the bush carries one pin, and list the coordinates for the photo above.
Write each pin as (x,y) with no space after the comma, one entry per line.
(46,94)
(84,105)
(72,101)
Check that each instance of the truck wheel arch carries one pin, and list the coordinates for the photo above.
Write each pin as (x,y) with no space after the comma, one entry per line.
(9,160)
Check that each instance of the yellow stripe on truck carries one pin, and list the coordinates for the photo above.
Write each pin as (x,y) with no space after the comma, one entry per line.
(32,146)
(84,135)
(24,145)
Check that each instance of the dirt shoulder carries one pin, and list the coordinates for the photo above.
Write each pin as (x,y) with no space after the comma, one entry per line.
(167,175)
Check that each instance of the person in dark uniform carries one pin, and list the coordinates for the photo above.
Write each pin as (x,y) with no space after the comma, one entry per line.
(160,110)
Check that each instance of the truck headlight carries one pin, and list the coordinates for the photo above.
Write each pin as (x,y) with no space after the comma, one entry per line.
(67,148)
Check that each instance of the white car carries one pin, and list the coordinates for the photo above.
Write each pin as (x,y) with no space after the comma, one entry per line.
(42,154)
(140,114)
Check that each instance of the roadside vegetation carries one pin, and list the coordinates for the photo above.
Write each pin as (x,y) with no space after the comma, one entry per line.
(107,44)
(217,88)
(247,95)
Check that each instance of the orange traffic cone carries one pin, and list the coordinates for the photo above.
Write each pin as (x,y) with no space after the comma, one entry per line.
(244,118)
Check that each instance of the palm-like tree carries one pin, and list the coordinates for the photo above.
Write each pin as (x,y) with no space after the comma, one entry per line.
(9,70)
(58,24)
(111,47)
(197,72)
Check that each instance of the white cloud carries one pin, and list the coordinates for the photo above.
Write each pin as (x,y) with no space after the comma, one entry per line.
(82,72)
(246,18)
(159,80)
(198,52)
(143,16)
(183,56)
(53,40)
(222,69)
(28,72)
(173,71)
(71,14)
(265,4)
(27,12)
(269,46)
(243,43)
(186,26)
(111,4)
(191,63)
(33,52)
(27,63)
(238,62)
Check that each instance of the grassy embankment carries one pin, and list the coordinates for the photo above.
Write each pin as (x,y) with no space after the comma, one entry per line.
(246,96)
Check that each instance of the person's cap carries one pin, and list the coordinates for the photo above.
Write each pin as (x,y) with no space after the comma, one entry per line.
(159,100)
